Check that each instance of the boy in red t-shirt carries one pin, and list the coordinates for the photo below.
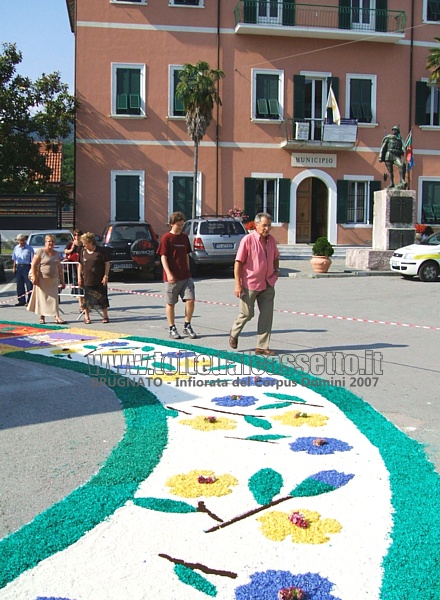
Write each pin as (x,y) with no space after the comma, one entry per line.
(174,250)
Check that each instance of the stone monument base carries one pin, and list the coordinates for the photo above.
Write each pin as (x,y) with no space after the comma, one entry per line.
(368,260)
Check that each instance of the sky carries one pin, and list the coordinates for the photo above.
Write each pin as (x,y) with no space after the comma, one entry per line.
(41,31)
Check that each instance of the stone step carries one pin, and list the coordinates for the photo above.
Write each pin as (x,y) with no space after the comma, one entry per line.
(305,250)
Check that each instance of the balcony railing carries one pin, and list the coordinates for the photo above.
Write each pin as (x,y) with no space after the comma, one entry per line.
(315,16)
(320,132)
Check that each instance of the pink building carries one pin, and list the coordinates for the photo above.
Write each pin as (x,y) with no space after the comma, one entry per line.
(271,145)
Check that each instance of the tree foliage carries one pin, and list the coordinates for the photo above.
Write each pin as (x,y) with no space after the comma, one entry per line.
(29,111)
(198,91)
(433,63)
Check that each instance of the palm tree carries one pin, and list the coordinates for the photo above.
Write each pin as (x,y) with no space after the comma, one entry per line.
(433,63)
(198,91)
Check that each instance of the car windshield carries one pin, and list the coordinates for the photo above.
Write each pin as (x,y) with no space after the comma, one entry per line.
(129,233)
(432,240)
(221,228)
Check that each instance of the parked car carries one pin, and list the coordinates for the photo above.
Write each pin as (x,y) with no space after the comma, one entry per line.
(422,260)
(62,238)
(131,247)
(214,241)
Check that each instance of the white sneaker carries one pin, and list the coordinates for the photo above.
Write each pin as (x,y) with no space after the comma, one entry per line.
(175,334)
(189,331)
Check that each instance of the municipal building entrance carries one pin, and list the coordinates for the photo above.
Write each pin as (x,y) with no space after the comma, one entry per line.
(311,210)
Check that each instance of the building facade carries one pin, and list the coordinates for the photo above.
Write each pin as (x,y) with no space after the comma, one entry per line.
(272,144)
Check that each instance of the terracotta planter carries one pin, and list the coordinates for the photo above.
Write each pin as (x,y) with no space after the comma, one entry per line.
(320,264)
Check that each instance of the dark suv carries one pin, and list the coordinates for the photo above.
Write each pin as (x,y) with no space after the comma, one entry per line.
(131,247)
(214,241)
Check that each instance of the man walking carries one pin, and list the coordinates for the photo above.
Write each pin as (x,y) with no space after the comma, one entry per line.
(256,272)
(22,256)
(174,250)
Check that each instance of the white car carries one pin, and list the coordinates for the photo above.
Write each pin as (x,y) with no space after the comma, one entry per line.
(62,238)
(422,260)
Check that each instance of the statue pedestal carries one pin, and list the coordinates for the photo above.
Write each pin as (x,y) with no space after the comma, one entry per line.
(393,227)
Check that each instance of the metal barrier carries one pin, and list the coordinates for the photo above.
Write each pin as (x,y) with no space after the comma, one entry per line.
(70,273)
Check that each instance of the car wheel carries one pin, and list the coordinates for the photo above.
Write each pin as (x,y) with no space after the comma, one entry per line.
(429,271)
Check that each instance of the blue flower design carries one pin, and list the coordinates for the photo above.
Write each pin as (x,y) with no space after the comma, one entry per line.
(266,585)
(179,354)
(235,400)
(113,344)
(332,445)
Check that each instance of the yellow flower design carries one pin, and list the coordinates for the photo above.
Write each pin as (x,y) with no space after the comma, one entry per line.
(277,526)
(296,419)
(209,423)
(187,485)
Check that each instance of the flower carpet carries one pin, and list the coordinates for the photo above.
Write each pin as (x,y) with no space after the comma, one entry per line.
(232,481)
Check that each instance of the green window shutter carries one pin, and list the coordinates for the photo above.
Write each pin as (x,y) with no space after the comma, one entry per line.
(182,194)
(128,91)
(342,201)
(178,109)
(284,201)
(262,109)
(375,186)
(250,11)
(267,90)
(250,189)
(381,15)
(289,12)
(299,83)
(360,100)
(127,198)
(422,93)
(122,102)
(274,108)
(344,14)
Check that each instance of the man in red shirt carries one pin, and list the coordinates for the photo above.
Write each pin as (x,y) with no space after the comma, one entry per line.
(174,250)
(256,272)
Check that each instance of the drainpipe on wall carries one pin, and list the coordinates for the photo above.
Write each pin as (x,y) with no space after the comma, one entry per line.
(217,117)
(411,76)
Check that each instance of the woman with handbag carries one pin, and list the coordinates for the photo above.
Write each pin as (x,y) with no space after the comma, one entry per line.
(72,253)
(46,274)
(93,271)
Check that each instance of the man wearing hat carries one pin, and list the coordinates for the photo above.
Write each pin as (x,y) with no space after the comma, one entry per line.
(22,256)
(391,153)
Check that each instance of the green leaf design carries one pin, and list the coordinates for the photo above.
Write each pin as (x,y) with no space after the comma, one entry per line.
(265,485)
(278,405)
(188,576)
(161,505)
(170,412)
(284,397)
(258,422)
(311,487)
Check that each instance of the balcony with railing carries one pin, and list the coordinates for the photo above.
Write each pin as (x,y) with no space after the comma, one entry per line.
(265,17)
(319,134)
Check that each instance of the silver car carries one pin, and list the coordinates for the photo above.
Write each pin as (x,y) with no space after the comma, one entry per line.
(214,241)
(62,238)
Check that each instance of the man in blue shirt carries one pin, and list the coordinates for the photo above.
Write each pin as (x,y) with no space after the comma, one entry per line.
(22,257)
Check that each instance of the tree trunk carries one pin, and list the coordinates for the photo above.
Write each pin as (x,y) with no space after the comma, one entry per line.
(196,162)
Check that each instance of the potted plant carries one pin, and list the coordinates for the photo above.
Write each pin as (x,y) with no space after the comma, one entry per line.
(321,250)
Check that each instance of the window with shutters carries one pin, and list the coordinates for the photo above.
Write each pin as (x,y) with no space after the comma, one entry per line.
(175,104)
(427,104)
(361,97)
(431,10)
(267,192)
(267,94)
(128,1)
(363,14)
(430,201)
(196,3)
(180,192)
(127,196)
(128,90)
(355,200)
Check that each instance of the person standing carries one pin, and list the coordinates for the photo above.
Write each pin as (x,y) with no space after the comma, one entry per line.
(174,250)
(256,271)
(93,271)
(47,275)
(22,256)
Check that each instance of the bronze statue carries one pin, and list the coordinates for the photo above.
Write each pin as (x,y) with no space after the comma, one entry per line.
(391,153)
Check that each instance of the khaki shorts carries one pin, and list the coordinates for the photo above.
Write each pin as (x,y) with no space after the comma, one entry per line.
(183,289)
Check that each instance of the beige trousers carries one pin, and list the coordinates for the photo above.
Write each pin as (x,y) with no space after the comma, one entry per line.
(265,301)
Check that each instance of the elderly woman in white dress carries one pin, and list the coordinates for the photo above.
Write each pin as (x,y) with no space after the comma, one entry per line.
(47,275)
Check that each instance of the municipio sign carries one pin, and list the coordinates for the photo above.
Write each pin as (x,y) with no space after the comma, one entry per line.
(304,160)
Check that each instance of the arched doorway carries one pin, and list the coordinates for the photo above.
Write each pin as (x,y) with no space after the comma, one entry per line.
(311,210)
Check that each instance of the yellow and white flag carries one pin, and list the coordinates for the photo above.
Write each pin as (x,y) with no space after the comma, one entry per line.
(331,103)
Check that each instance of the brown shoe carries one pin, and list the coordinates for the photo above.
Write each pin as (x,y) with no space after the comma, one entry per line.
(233,342)
(264,352)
